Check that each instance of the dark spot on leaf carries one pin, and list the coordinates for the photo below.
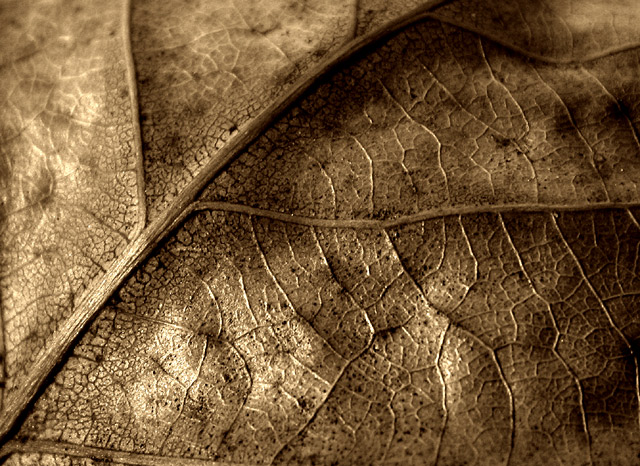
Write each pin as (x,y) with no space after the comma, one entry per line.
(502,141)
(617,109)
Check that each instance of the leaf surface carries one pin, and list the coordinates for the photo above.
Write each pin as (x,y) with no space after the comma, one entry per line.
(431,257)
(80,201)
(70,168)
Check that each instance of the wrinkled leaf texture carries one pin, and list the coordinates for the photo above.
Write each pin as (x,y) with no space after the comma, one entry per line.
(320,232)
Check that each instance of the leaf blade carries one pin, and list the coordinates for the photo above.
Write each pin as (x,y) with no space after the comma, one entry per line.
(583,416)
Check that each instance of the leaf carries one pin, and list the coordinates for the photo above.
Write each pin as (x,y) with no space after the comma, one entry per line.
(431,257)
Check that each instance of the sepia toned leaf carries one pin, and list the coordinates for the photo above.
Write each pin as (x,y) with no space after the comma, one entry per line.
(420,247)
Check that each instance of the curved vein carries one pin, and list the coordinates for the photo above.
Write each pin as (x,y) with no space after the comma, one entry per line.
(428,214)
(535,56)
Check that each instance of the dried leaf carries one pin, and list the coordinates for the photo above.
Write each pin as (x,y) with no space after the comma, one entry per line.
(430,257)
